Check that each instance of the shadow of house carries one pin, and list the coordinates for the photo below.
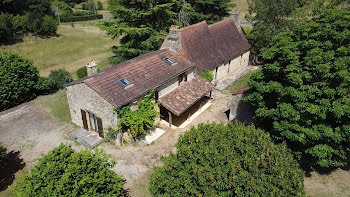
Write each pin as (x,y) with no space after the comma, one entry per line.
(12,164)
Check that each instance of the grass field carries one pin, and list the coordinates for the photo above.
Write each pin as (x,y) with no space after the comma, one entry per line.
(74,46)
(240,83)
(57,104)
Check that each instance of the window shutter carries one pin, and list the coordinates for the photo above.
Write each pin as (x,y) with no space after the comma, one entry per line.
(83,116)
(100,127)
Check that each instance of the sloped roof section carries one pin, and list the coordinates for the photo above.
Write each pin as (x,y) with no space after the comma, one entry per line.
(229,39)
(208,46)
(144,73)
(184,96)
(199,47)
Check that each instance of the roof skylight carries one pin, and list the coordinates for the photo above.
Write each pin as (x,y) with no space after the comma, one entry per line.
(124,82)
(169,61)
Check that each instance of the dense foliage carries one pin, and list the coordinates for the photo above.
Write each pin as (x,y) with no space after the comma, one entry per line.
(233,160)
(302,94)
(64,172)
(142,25)
(139,120)
(82,72)
(210,10)
(18,77)
(2,155)
(18,17)
(270,17)
(208,75)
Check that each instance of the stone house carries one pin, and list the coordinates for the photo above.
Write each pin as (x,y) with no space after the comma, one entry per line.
(171,71)
(221,47)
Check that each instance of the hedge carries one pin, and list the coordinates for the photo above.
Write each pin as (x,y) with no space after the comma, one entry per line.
(81,18)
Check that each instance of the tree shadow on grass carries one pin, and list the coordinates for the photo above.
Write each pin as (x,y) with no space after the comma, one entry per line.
(12,164)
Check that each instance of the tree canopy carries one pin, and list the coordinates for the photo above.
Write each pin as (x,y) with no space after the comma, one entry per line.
(270,17)
(232,160)
(142,25)
(18,78)
(301,96)
(210,10)
(64,172)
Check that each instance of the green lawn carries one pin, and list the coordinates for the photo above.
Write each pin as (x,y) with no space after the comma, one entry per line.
(240,83)
(74,46)
(57,104)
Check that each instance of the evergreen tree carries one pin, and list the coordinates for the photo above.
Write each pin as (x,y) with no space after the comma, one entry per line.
(142,25)
(210,10)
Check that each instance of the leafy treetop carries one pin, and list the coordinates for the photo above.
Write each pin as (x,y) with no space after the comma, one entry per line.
(64,172)
(302,94)
(232,160)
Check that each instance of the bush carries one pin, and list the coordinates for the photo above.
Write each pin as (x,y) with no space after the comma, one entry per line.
(58,78)
(140,120)
(18,77)
(81,18)
(302,94)
(65,9)
(82,72)
(47,26)
(2,156)
(64,172)
(99,5)
(12,27)
(208,75)
(233,160)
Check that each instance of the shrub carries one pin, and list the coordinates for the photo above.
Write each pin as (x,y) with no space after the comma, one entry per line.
(232,160)
(12,27)
(47,26)
(81,18)
(82,72)
(99,5)
(64,172)
(2,156)
(58,78)
(18,77)
(208,75)
(140,120)
(65,9)
(302,94)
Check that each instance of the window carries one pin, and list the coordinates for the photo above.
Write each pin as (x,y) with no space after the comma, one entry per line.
(124,82)
(169,61)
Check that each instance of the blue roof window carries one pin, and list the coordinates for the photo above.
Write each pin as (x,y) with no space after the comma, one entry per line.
(124,82)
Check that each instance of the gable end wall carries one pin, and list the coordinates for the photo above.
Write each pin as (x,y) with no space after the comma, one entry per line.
(80,96)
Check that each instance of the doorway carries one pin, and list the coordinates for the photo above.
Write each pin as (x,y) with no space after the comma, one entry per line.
(91,122)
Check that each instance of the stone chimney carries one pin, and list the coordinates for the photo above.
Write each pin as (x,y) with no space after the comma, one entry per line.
(91,68)
(235,16)
(173,39)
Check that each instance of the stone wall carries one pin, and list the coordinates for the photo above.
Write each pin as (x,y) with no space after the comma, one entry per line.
(233,66)
(80,96)
(173,83)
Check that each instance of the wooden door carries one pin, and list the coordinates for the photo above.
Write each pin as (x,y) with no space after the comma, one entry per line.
(100,127)
(83,116)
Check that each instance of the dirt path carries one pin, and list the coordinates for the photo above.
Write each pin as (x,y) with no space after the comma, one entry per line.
(32,131)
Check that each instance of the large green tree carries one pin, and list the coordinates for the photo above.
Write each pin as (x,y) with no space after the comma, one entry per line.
(301,96)
(64,172)
(142,25)
(210,10)
(270,17)
(18,78)
(232,160)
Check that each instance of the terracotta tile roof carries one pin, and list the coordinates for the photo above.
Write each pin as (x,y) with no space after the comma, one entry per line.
(187,94)
(198,46)
(229,39)
(144,72)
(208,46)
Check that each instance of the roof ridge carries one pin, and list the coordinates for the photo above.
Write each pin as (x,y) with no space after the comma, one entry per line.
(194,25)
